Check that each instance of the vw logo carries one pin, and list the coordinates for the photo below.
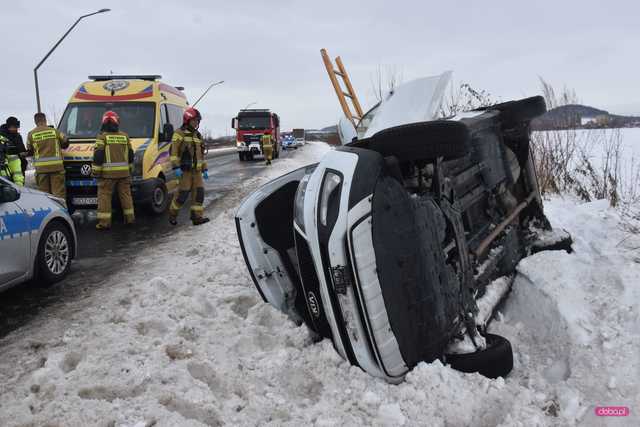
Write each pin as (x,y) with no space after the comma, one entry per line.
(313,304)
(85,170)
(115,85)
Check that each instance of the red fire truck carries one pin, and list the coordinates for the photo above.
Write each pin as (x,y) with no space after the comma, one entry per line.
(250,125)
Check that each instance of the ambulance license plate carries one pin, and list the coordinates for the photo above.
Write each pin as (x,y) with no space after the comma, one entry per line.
(85,201)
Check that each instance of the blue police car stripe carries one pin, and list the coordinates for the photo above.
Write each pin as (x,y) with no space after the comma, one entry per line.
(14,224)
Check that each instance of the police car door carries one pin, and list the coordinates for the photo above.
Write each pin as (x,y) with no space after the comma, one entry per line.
(14,240)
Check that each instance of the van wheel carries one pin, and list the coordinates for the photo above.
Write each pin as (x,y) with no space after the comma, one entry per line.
(159,198)
(53,259)
(496,360)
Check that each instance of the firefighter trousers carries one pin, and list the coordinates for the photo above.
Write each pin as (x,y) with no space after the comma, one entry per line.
(191,182)
(52,183)
(105,195)
(267,150)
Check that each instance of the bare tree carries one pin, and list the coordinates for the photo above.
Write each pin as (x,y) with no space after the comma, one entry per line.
(463,97)
(384,81)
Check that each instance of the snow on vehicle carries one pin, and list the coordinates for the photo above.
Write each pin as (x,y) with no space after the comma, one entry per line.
(37,236)
(399,246)
(250,125)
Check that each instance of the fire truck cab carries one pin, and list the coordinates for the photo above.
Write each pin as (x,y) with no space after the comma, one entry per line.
(250,126)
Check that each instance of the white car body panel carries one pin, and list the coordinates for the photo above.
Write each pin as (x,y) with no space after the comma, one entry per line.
(28,216)
(415,101)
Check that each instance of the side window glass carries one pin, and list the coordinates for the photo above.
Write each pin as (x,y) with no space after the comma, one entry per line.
(175,115)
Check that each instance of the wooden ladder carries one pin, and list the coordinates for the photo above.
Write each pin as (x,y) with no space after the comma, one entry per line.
(342,95)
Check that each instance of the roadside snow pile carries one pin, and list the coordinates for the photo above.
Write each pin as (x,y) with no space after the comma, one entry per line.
(183,339)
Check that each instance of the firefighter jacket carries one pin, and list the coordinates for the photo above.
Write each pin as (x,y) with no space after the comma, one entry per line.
(45,145)
(187,150)
(10,165)
(112,155)
(266,141)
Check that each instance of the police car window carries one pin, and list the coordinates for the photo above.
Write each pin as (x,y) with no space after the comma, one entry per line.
(137,119)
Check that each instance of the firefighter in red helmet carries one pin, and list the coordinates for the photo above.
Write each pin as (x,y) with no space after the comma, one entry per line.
(189,166)
(112,166)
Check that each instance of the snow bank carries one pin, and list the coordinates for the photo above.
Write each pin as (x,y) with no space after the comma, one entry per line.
(183,339)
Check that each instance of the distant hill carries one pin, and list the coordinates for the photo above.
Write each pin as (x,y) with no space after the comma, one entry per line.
(333,128)
(581,116)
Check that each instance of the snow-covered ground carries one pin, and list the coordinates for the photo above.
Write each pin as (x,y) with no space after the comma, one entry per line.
(183,339)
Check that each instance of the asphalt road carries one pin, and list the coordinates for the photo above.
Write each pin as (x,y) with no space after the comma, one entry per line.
(103,253)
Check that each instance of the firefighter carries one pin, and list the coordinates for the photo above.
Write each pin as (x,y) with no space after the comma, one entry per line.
(11,130)
(112,166)
(187,158)
(267,147)
(45,145)
(10,166)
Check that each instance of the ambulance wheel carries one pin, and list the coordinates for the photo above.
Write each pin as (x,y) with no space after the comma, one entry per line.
(159,198)
(496,360)
(54,254)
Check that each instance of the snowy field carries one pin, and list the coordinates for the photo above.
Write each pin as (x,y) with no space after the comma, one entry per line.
(183,339)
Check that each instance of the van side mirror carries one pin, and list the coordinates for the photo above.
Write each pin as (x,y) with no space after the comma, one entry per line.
(234,123)
(8,194)
(167,132)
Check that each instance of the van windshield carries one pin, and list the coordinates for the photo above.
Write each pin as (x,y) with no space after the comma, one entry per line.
(83,120)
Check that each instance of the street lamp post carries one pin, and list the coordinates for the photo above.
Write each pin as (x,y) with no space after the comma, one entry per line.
(250,104)
(208,89)
(35,70)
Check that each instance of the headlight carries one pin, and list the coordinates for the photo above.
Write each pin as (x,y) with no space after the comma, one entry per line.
(138,158)
(60,201)
(331,182)
(298,206)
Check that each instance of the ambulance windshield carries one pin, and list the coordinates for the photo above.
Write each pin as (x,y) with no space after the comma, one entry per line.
(83,120)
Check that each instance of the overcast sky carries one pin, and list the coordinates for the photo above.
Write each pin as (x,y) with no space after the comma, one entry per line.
(268,51)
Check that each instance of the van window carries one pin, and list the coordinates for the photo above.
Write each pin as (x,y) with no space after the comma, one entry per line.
(175,115)
(83,120)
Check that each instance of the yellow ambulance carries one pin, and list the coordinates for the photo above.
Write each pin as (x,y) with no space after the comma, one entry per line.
(149,112)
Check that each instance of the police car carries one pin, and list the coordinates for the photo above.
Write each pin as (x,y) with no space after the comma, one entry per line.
(37,236)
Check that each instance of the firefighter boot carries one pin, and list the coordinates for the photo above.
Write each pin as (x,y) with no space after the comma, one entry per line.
(201,220)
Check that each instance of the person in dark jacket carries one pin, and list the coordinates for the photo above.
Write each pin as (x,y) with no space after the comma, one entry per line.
(15,147)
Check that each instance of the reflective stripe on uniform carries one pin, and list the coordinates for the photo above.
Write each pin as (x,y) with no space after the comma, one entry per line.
(196,208)
(115,166)
(103,215)
(116,139)
(44,134)
(42,160)
(127,211)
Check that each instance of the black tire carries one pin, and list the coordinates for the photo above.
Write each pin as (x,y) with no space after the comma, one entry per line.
(159,198)
(55,251)
(524,110)
(494,361)
(241,156)
(423,141)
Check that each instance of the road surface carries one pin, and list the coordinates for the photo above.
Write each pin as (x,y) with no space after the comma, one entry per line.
(102,253)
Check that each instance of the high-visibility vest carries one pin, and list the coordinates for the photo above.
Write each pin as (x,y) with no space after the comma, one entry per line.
(10,164)
(112,155)
(46,145)
(187,150)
